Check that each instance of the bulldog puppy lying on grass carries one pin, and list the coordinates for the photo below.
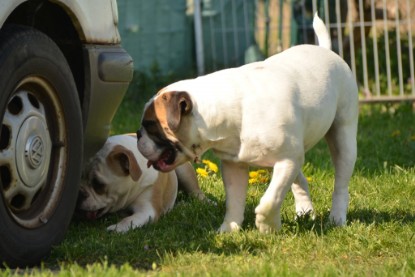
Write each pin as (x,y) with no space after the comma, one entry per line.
(118,178)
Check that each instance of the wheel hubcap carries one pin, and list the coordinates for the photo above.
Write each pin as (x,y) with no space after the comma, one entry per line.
(34,141)
(34,151)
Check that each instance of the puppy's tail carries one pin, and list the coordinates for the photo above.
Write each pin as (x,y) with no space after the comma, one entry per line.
(321,32)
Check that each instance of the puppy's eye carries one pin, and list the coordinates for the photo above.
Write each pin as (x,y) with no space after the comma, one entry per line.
(98,186)
(148,123)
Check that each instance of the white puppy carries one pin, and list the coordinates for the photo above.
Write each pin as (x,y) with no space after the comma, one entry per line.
(264,114)
(118,178)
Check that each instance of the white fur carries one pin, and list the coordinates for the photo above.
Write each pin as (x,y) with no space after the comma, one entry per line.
(321,32)
(269,114)
(122,192)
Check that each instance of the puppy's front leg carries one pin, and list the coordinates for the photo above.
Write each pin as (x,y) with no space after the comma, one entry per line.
(136,220)
(235,178)
(143,213)
(268,215)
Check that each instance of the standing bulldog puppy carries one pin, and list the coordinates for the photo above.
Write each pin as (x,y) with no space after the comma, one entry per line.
(118,178)
(264,114)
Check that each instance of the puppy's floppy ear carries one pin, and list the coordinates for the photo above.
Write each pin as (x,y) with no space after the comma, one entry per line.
(177,104)
(122,161)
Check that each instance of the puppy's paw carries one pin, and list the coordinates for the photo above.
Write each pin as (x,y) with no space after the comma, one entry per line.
(203,198)
(267,220)
(131,222)
(304,209)
(227,227)
(119,228)
(199,195)
(305,214)
(268,224)
(337,219)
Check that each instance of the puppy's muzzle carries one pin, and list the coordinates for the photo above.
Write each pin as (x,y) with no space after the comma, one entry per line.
(82,195)
(139,135)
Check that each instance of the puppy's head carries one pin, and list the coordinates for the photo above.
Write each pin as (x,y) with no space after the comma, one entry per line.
(108,178)
(165,136)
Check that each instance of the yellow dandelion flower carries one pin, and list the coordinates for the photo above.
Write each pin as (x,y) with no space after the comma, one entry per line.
(309,179)
(210,165)
(202,172)
(259,176)
(251,181)
(253,174)
(213,167)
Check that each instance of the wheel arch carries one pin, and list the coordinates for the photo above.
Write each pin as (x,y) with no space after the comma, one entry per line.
(55,21)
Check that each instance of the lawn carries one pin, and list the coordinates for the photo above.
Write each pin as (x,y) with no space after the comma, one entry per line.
(379,239)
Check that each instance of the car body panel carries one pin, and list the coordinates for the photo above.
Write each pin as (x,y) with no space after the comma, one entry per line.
(108,68)
(101,28)
(108,75)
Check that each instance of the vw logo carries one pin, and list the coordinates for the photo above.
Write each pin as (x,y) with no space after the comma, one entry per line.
(34,151)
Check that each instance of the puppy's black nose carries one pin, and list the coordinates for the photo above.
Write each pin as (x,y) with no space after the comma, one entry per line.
(138,134)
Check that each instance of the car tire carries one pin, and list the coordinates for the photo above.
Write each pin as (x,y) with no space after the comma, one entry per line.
(40,145)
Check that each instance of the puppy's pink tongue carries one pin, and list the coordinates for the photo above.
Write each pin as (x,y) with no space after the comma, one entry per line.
(161,164)
(91,215)
(158,165)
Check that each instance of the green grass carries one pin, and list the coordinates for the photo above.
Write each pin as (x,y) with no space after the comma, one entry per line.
(379,239)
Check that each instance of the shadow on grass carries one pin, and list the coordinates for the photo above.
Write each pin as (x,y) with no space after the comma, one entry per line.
(322,226)
(190,229)
(372,216)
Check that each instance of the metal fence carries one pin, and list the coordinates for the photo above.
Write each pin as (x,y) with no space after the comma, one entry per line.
(375,37)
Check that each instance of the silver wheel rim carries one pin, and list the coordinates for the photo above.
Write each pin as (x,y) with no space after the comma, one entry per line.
(33,152)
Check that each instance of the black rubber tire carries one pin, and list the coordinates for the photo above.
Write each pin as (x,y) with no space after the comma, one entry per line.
(27,52)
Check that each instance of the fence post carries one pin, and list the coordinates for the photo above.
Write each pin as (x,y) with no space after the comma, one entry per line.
(200,59)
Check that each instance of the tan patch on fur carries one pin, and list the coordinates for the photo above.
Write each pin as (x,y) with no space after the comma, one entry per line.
(166,118)
(164,193)
(123,163)
(174,105)
(161,107)
(167,110)
(155,114)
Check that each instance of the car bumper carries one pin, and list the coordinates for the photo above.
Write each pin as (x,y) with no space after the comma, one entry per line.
(108,72)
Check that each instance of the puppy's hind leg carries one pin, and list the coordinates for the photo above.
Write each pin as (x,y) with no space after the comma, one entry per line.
(343,148)
(303,204)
